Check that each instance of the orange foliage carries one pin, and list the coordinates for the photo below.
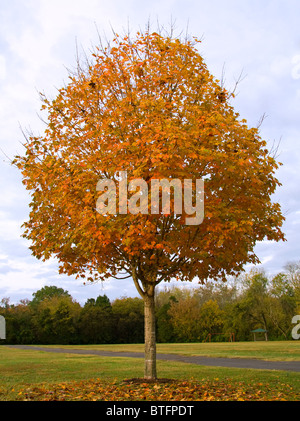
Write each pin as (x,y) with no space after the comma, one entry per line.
(148,106)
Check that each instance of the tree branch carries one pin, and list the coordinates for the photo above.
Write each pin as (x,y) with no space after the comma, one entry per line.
(137,284)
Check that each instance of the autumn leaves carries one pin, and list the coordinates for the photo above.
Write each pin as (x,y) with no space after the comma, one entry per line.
(203,390)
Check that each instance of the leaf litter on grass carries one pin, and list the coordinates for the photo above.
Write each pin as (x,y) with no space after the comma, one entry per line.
(167,390)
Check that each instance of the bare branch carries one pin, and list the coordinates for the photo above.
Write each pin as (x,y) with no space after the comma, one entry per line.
(137,284)
(237,82)
(223,77)
(124,277)
(10,160)
(261,120)
(274,149)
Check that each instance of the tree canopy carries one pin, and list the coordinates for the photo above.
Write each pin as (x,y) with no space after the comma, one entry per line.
(149,107)
(48,292)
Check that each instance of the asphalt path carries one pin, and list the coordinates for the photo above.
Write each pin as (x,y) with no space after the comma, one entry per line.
(206,361)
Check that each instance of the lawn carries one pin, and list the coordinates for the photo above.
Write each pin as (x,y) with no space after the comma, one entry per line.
(38,375)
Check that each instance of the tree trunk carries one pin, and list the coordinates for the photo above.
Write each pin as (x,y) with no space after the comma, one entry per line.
(150,336)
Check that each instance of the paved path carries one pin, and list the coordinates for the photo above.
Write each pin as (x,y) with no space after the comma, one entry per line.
(207,361)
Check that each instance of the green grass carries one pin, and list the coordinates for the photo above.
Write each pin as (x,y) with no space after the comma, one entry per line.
(20,368)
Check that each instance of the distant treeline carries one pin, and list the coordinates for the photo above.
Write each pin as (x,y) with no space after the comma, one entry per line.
(183,314)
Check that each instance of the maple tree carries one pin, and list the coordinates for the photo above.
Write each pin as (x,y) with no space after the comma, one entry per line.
(150,107)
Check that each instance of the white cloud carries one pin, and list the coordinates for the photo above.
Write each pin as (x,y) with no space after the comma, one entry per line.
(296,66)
(9,228)
(280,65)
(267,259)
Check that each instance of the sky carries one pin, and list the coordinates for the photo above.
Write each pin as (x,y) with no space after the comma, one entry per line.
(259,39)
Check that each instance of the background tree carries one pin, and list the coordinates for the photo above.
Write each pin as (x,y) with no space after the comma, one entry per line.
(185,319)
(164,326)
(19,323)
(128,320)
(292,270)
(282,304)
(97,322)
(149,106)
(211,319)
(48,292)
(55,320)
(251,309)
(217,307)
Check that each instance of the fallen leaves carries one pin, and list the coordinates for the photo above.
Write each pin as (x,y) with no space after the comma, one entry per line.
(172,390)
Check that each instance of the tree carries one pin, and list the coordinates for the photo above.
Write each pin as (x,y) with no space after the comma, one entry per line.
(19,326)
(55,320)
(293,276)
(97,324)
(147,107)
(164,327)
(48,292)
(283,304)
(256,296)
(192,321)
(185,319)
(211,318)
(128,318)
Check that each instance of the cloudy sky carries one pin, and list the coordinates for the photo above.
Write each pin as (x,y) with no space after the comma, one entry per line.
(260,38)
